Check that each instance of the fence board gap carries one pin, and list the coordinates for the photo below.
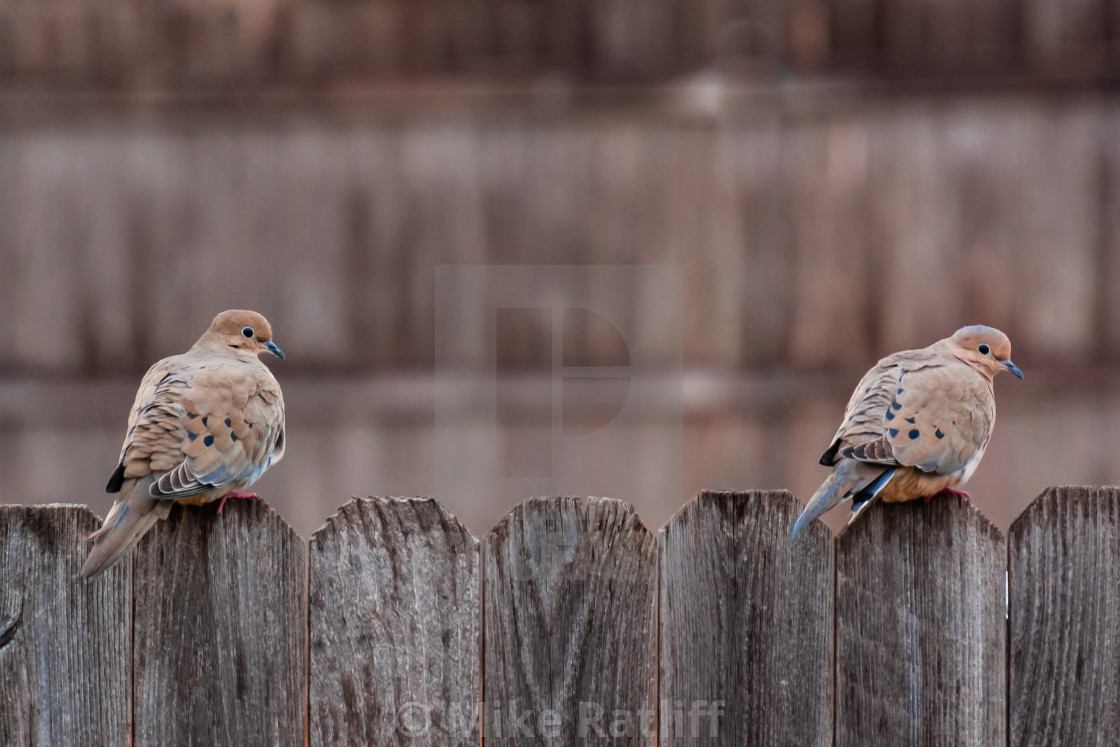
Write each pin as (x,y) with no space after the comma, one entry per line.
(65,642)
(920,626)
(1064,588)
(569,644)
(220,634)
(394,631)
(746,623)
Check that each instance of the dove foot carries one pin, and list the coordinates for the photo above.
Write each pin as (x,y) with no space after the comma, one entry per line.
(227,496)
(950,491)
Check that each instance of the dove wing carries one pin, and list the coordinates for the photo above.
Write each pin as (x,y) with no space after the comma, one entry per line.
(936,418)
(202,424)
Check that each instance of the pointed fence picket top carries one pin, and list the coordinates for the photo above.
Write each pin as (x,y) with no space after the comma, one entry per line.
(212,630)
(570,650)
(394,626)
(1064,587)
(920,627)
(746,623)
(220,629)
(65,642)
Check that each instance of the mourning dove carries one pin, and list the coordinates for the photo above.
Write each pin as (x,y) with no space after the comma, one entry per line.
(917,424)
(205,425)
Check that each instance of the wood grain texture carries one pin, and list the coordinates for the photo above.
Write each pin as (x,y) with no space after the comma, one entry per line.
(920,627)
(569,648)
(1064,579)
(394,631)
(746,621)
(65,643)
(220,635)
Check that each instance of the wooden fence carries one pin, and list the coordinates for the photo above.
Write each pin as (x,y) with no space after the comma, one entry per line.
(227,45)
(570,620)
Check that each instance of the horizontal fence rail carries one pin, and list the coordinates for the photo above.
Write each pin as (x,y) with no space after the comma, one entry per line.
(227,46)
(570,620)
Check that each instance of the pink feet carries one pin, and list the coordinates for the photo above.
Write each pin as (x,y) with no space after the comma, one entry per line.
(227,496)
(950,491)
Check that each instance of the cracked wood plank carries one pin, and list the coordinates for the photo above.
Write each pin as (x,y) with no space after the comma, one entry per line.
(920,626)
(746,623)
(394,632)
(1064,592)
(221,629)
(65,642)
(570,648)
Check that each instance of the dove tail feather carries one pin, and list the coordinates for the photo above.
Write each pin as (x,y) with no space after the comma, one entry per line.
(867,496)
(850,479)
(130,518)
(840,483)
(869,492)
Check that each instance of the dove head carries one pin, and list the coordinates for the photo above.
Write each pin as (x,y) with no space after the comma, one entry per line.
(243,332)
(986,349)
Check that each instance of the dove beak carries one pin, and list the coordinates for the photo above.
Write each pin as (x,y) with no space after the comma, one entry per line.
(275,350)
(1006,364)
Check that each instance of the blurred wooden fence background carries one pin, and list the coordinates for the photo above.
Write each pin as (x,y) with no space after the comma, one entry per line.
(834,180)
(570,619)
(225,44)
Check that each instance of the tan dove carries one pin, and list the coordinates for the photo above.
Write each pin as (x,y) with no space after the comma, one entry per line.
(205,425)
(917,424)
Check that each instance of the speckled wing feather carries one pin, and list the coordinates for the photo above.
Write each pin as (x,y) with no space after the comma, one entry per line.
(201,424)
(154,435)
(938,419)
(864,417)
(232,421)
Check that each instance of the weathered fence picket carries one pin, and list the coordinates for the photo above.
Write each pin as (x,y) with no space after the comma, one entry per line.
(65,645)
(1065,619)
(746,623)
(570,652)
(394,621)
(921,627)
(220,629)
(569,622)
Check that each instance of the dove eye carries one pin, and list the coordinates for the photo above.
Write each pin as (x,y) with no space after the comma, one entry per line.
(248,332)
(984,349)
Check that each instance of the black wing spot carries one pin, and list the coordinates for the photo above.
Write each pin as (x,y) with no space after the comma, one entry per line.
(116,480)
